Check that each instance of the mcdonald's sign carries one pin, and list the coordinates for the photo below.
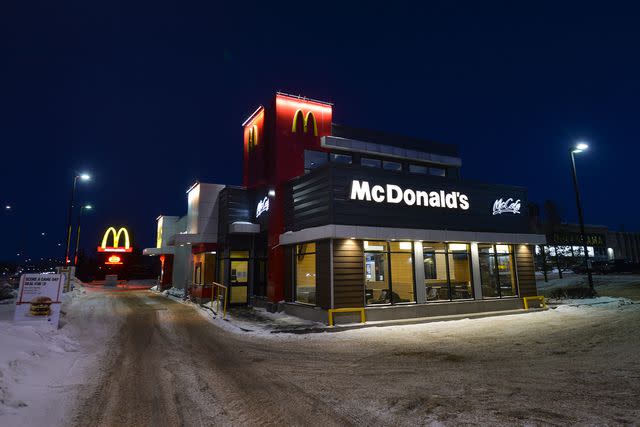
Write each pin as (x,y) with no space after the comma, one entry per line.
(308,122)
(116,240)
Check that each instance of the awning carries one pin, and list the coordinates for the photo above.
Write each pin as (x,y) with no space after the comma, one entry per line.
(333,231)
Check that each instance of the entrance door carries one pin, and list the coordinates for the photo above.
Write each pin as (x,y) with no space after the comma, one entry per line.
(238,279)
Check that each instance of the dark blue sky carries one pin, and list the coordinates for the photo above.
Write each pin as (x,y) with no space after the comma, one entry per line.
(149,96)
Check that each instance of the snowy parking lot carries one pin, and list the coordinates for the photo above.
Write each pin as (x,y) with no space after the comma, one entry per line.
(139,358)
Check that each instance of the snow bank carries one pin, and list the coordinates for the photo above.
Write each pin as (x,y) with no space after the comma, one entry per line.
(36,367)
(174,292)
(256,321)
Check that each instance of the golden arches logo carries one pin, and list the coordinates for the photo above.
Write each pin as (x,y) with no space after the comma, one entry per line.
(307,121)
(116,239)
(253,137)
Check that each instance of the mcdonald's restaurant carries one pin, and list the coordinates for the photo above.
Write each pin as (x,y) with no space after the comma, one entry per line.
(334,217)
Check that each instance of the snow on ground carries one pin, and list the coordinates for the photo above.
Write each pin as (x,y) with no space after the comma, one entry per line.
(40,368)
(257,321)
(174,292)
(613,285)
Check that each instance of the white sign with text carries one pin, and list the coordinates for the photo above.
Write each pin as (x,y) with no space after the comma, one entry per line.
(39,299)
(391,193)
(509,205)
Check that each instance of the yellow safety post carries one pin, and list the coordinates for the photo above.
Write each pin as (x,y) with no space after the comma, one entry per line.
(346,310)
(540,298)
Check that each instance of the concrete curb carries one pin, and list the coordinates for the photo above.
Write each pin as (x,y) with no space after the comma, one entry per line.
(400,322)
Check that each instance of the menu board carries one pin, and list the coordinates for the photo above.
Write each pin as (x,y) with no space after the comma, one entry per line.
(39,299)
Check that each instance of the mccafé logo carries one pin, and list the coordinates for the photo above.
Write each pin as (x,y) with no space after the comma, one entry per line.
(307,120)
(263,206)
(506,206)
(361,190)
(116,239)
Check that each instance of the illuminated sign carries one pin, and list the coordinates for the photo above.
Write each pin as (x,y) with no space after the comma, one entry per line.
(116,239)
(263,206)
(253,137)
(574,238)
(390,193)
(307,120)
(114,260)
(506,206)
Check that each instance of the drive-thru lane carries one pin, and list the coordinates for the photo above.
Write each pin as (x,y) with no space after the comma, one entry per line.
(167,365)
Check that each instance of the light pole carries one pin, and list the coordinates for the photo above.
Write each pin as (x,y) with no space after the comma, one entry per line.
(75,258)
(83,177)
(579,148)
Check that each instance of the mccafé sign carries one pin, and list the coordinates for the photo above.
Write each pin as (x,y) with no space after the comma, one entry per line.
(391,193)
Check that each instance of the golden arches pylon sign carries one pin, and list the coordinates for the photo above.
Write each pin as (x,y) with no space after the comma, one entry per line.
(116,239)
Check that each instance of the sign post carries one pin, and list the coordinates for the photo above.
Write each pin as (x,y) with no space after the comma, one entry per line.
(39,299)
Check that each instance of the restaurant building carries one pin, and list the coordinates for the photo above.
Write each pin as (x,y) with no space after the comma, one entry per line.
(330,216)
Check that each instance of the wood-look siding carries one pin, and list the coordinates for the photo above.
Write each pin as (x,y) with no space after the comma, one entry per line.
(525,269)
(308,201)
(323,274)
(348,273)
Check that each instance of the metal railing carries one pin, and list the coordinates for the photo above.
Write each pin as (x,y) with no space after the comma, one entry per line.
(540,298)
(217,288)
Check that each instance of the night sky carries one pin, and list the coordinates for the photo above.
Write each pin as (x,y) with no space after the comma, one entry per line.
(150,96)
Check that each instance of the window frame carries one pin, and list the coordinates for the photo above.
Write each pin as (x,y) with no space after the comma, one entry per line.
(496,270)
(388,252)
(447,252)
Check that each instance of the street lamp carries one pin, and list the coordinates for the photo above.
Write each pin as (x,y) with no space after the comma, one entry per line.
(75,258)
(579,148)
(83,177)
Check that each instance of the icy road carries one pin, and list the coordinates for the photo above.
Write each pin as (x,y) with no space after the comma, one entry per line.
(145,360)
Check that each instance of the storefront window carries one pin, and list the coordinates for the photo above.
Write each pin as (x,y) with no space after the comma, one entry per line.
(447,271)
(314,159)
(305,264)
(376,275)
(402,280)
(389,272)
(435,271)
(497,271)
(459,259)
